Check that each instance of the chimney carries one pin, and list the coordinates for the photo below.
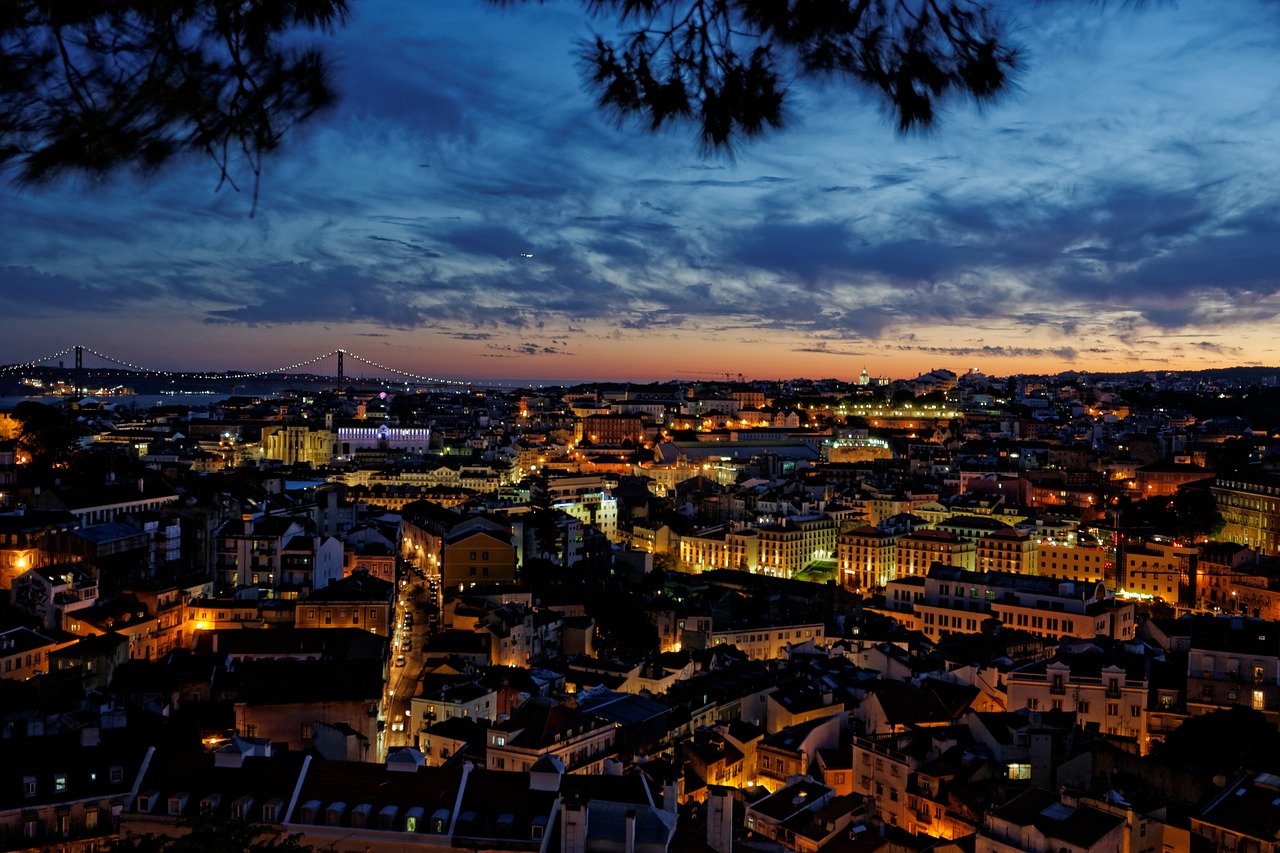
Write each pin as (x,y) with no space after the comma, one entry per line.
(629,834)
(671,796)
(573,820)
(719,819)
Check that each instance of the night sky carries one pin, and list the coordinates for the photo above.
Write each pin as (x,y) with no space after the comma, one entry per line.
(466,211)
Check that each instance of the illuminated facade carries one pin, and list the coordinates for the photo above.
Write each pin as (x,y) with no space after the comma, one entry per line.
(1250,505)
(867,558)
(383,437)
(298,445)
(788,547)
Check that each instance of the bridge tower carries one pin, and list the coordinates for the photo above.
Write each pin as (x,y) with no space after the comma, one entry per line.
(341,353)
(79,382)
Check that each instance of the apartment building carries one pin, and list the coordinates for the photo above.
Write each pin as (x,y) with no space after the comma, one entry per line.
(953,600)
(1234,661)
(1250,505)
(1111,695)
(1007,550)
(1077,563)
(867,558)
(789,546)
(1163,570)
(721,549)
(920,549)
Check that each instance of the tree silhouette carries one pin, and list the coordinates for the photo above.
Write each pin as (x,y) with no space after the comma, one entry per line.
(724,64)
(94,88)
(211,834)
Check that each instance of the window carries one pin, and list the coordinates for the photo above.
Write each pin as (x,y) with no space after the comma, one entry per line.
(90,819)
(28,786)
(59,782)
(117,775)
(1113,709)
(1019,771)
(307,732)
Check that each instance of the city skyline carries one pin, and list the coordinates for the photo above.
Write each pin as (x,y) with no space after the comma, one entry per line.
(466,211)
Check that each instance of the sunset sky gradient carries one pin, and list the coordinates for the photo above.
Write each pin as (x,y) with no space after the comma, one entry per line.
(1119,210)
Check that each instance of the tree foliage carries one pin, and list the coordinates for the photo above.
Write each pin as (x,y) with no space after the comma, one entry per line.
(1224,741)
(212,834)
(97,87)
(1189,514)
(47,435)
(94,88)
(725,65)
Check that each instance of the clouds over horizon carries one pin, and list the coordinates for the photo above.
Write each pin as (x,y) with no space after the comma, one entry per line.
(465,188)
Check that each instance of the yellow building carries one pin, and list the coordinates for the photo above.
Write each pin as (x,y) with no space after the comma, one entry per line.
(788,547)
(867,558)
(298,445)
(478,551)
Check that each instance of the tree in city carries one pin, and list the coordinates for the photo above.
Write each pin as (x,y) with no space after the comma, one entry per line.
(1191,513)
(207,833)
(46,438)
(1223,741)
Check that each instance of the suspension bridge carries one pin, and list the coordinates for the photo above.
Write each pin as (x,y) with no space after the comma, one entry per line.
(313,367)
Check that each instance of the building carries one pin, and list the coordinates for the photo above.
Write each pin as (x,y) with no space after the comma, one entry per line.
(1008,550)
(1234,661)
(53,593)
(1038,821)
(579,741)
(793,544)
(760,641)
(357,601)
(609,430)
(1110,695)
(952,600)
(416,440)
(64,792)
(276,555)
(920,549)
(1241,817)
(26,541)
(478,550)
(1159,569)
(721,549)
(596,509)
(1163,479)
(867,558)
(298,445)
(24,653)
(1079,563)
(1250,505)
